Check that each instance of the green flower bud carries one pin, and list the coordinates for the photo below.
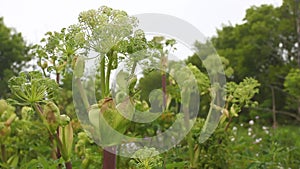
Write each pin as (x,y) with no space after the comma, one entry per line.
(52,115)
(3,106)
(64,120)
(66,138)
(39,63)
(51,108)
(44,65)
(27,113)
(10,119)
(4,130)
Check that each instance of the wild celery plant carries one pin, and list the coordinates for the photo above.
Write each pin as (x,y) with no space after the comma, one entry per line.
(202,82)
(109,33)
(164,46)
(238,96)
(32,89)
(146,158)
(58,51)
(56,54)
(103,31)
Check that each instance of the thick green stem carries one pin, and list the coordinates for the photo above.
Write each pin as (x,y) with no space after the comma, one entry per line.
(109,159)
(164,89)
(133,68)
(230,117)
(82,94)
(196,156)
(108,71)
(3,153)
(164,80)
(37,108)
(52,137)
(190,148)
(58,154)
(102,77)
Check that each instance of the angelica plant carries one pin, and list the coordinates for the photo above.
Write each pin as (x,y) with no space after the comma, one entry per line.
(34,90)
(146,158)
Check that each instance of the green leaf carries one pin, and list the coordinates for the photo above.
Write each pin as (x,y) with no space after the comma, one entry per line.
(13,161)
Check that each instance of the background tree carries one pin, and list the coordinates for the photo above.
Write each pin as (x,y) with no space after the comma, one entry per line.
(264,47)
(13,55)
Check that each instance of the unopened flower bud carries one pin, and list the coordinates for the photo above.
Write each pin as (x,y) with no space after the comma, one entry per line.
(3,106)
(64,120)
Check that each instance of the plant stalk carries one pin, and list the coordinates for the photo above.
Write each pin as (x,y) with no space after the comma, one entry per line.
(273,108)
(68,165)
(3,153)
(164,81)
(83,94)
(109,158)
(108,71)
(58,154)
(102,77)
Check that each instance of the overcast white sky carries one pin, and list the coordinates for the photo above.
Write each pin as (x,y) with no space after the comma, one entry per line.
(35,17)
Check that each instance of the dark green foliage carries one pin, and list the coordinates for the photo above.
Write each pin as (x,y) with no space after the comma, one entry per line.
(13,55)
(149,82)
